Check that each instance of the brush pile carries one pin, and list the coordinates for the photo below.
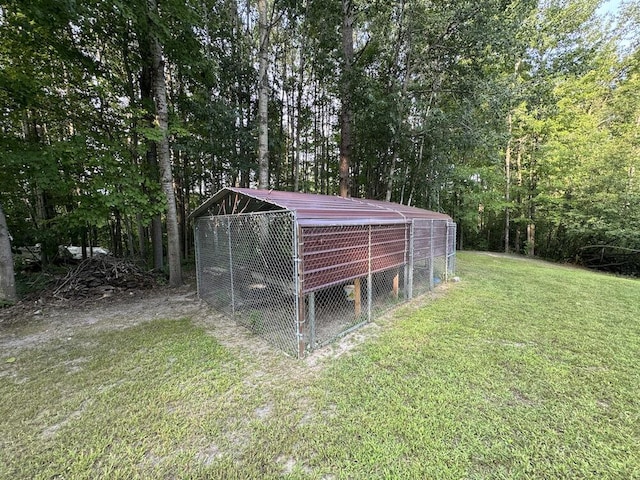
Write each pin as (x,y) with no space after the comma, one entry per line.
(102,276)
(611,258)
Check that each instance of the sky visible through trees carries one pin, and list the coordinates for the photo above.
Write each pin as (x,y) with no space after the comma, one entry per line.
(518,118)
(611,7)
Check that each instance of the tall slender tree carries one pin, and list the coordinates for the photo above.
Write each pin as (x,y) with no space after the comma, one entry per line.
(164,154)
(263,94)
(346,111)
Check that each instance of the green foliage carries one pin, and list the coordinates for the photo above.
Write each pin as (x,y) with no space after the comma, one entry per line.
(590,160)
(441,92)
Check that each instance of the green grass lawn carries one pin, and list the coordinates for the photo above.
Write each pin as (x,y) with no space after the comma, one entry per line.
(523,370)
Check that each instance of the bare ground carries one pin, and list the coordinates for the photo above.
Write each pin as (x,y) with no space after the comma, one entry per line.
(31,324)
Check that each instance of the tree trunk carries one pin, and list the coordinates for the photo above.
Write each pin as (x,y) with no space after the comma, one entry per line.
(129,230)
(157,243)
(346,113)
(187,241)
(298,140)
(142,237)
(146,94)
(397,136)
(263,97)
(7,277)
(518,198)
(164,157)
(531,226)
(507,192)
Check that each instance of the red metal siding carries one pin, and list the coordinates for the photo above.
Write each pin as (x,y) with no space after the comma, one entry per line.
(388,246)
(336,254)
(331,255)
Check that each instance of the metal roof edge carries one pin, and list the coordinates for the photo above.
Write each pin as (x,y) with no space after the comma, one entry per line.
(249,193)
(220,194)
(403,212)
(316,222)
(206,204)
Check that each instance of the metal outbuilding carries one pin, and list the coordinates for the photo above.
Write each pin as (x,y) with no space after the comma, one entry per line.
(302,269)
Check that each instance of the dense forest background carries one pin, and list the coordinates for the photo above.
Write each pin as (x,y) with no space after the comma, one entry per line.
(519,118)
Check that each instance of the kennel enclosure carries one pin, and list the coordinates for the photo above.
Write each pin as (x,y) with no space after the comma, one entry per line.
(300,270)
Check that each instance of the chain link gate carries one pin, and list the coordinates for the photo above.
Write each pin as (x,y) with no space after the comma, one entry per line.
(432,253)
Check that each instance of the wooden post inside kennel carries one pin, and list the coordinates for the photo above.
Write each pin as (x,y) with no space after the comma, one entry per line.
(357,295)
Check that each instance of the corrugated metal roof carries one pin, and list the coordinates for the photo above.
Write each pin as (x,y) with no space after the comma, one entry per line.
(312,209)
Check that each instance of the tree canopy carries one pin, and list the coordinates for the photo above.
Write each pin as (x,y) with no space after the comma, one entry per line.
(519,118)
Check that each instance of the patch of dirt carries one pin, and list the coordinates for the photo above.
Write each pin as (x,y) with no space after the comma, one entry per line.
(33,323)
(343,345)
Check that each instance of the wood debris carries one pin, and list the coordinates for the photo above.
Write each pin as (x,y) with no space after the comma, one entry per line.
(101,276)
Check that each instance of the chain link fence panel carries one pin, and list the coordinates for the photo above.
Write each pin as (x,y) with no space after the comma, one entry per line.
(432,253)
(246,269)
(451,248)
(302,287)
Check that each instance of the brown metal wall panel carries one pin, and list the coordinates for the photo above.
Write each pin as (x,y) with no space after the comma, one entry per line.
(337,254)
(333,254)
(333,275)
(388,246)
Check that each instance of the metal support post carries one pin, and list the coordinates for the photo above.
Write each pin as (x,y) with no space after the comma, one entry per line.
(357,297)
(446,254)
(431,256)
(233,297)
(369,282)
(408,270)
(196,237)
(311,301)
(300,303)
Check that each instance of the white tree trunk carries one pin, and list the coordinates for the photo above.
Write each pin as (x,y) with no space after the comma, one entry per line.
(346,112)
(263,97)
(7,277)
(507,192)
(164,157)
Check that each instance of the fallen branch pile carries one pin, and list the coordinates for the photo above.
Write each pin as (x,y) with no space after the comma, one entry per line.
(611,258)
(102,276)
